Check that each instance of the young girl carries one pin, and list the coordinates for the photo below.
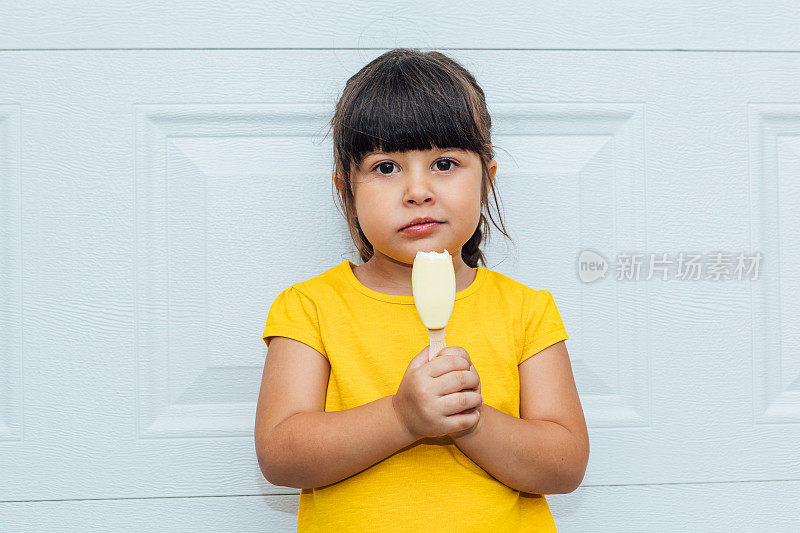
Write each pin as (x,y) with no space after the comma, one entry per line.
(350,410)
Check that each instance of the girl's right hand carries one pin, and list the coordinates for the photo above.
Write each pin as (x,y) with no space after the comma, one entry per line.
(431,396)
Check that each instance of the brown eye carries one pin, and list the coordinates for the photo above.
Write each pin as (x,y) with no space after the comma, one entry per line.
(445,161)
(384,165)
(387,165)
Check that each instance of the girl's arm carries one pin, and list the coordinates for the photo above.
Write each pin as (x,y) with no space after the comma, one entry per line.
(317,449)
(297,443)
(546,450)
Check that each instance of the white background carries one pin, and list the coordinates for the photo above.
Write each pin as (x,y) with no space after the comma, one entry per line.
(164,174)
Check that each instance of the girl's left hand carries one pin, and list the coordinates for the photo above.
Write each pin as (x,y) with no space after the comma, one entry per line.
(458,350)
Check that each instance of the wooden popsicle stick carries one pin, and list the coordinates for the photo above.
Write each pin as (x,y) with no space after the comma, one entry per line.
(436,337)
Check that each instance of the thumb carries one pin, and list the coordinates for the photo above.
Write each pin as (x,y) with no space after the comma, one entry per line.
(420,359)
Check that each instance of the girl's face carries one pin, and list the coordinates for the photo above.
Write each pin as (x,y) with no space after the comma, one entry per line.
(393,189)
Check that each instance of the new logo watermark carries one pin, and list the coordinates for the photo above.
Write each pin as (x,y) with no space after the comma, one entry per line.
(592,266)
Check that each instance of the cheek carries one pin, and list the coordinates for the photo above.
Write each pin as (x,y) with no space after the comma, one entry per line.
(369,207)
(473,197)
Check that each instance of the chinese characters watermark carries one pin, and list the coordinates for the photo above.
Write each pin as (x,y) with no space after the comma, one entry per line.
(687,266)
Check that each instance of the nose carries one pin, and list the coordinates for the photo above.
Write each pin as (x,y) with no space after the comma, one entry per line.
(418,188)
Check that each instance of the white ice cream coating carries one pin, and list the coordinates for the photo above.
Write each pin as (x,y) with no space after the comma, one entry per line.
(433,282)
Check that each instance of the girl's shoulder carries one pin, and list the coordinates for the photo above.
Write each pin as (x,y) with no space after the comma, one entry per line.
(504,281)
(331,280)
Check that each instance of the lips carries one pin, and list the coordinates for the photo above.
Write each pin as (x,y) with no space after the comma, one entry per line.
(419,229)
(419,221)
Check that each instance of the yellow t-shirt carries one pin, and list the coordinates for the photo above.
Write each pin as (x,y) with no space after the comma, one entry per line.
(368,339)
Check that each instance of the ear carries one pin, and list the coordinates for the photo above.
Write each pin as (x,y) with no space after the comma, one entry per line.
(336,182)
(492,168)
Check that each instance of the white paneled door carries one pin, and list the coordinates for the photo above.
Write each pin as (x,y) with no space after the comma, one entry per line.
(154,203)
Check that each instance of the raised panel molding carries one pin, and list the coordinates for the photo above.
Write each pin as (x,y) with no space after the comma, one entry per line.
(595,154)
(11,378)
(182,150)
(774,226)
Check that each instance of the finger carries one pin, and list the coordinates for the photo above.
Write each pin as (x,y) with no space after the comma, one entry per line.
(420,359)
(459,423)
(446,363)
(457,402)
(457,380)
(455,350)
(462,421)
(474,371)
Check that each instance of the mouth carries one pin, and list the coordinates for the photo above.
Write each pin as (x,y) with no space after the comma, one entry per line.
(419,222)
(424,227)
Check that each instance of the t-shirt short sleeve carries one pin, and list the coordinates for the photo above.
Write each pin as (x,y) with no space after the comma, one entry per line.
(542,323)
(294,315)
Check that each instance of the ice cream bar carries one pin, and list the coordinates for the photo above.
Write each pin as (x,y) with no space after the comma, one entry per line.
(433,282)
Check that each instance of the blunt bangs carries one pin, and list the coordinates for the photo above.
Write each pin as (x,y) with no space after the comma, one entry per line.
(408,114)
